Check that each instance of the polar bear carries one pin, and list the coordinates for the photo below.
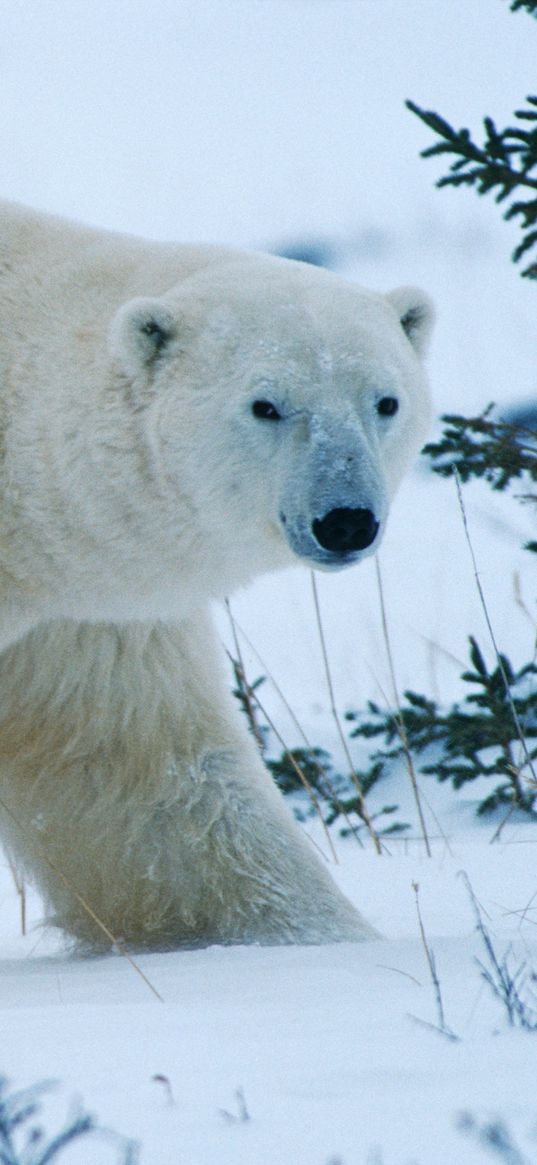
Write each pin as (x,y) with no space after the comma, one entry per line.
(175,420)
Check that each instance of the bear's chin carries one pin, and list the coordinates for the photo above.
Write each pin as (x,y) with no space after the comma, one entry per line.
(332,564)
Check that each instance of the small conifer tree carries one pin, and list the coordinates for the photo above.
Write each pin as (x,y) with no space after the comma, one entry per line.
(504,162)
(482,736)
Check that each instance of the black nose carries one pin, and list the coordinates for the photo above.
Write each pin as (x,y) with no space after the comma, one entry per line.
(343,530)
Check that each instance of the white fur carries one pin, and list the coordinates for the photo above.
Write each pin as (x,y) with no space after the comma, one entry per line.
(137,484)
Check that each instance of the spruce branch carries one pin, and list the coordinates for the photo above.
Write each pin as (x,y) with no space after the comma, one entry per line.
(505,163)
(476,737)
(526,5)
(23,1140)
(487,447)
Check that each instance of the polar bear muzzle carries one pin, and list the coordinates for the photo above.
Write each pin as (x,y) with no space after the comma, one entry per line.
(345,530)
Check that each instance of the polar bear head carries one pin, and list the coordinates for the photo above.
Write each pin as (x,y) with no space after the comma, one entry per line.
(281,403)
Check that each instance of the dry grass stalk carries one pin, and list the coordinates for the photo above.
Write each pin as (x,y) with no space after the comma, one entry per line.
(21,892)
(501,826)
(239,664)
(242,1116)
(321,771)
(266,670)
(302,778)
(520,602)
(160,1078)
(364,812)
(250,712)
(528,763)
(442,836)
(397,714)
(117,943)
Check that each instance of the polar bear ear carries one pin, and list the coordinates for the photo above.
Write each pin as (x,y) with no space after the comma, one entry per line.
(416,314)
(140,332)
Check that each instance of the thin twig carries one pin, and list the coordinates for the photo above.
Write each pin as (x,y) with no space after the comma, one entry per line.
(505,984)
(364,812)
(117,943)
(259,737)
(247,691)
(514,713)
(500,827)
(302,778)
(430,959)
(398,971)
(408,837)
(442,1026)
(242,1116)
(398,715)
(519,600)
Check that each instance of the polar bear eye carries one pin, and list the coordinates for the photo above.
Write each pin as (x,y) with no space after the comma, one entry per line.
(265,411)
(387,406)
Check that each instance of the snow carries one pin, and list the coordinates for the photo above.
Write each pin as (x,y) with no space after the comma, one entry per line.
(265,123)
(325,1044)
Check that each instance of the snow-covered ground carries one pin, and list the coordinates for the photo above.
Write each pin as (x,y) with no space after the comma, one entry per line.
(265,123)
(330,1047)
